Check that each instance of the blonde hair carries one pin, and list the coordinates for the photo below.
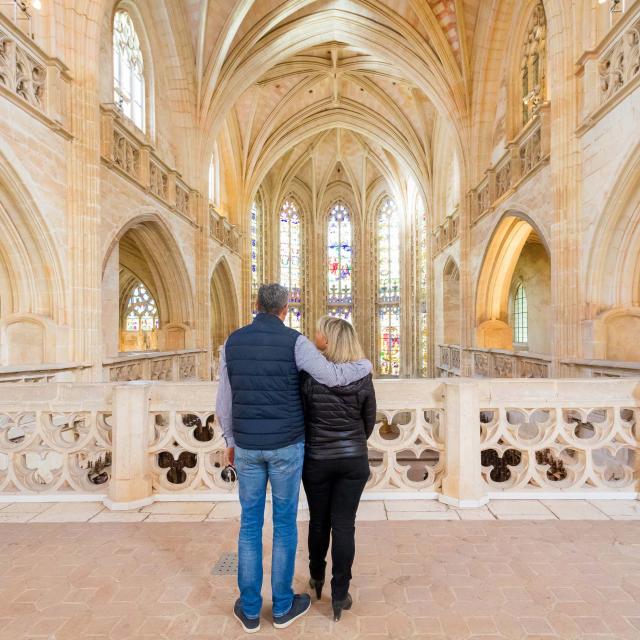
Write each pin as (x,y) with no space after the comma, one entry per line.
(342,340)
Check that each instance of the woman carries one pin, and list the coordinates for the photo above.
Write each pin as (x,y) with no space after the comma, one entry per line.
(338,421)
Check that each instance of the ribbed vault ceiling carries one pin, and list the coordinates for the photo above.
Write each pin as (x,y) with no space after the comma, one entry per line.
(276,77)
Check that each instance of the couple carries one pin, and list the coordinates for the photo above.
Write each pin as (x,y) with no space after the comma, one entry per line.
(288,411)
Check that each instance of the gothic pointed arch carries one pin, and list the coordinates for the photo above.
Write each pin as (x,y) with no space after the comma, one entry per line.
(224,304)
(32,300)
(516,252)
(145,251)
(451,301)
(613,270)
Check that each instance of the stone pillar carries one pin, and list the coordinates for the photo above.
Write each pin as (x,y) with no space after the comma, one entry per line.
(130,486)
(203,309)
(111,305)
(83,192)
(462,484)
(467,309)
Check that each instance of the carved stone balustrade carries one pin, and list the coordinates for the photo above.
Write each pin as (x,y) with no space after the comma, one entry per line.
(126,150)
(447,233)
(619,63)
(611,71)
(449,364)
(40,373)
(497,363)
(600,369)
(32,79)
(185,200)
(461,441)
(221,230)
(524,155)
(154,366)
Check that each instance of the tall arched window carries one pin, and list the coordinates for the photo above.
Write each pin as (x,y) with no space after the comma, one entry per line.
(128,69)
(212,180)
(520,316)
(422,285)
(339,263)
(291,260)
(141,320)
(388,302)
(533,64)
(255,229)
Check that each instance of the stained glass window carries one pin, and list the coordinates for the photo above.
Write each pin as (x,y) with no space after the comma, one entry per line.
(423,257)
(142,311)
(520,316)
(291,260)
(255,227)
(388,289)
(339,263)
(128,69)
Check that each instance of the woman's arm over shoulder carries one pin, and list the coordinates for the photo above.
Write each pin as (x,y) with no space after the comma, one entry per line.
(369,407)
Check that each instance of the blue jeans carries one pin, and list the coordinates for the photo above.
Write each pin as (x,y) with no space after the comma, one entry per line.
(283,469)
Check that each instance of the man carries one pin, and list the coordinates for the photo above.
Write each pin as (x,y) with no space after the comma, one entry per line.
(260,411)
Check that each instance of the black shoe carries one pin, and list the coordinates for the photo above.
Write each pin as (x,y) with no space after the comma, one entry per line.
(341,605)
(317,585)
(250,625)
(300,605)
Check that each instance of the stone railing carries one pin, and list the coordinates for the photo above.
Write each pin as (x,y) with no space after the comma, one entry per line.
(32,79)
(221,230)
(611,71)
(39,373)
(498,363)
(449,362)
(171,366)
(462,441)
(125,149)
(585,439)
(447,233)
(524,155)
(55,442)
(600,368)
(493,363)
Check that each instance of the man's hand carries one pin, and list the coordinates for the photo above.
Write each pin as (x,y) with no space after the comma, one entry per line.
(229,455)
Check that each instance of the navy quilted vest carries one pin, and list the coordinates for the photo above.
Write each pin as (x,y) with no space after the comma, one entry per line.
(265,385)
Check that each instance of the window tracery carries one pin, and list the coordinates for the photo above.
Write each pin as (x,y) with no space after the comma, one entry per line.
(388,298)
(141,319)
(533,63)
(339,263)
(255,233)
(128,69)
(422,274)
(291,260)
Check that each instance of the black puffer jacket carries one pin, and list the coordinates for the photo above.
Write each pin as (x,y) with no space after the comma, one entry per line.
(338,420)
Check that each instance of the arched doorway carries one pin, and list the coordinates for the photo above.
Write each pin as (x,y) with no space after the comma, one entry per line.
(147,295)
(224,305)
(513,302)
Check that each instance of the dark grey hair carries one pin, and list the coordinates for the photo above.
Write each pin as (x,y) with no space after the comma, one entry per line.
(272,298)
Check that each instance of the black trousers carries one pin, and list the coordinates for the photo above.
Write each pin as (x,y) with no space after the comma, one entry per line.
(333,489)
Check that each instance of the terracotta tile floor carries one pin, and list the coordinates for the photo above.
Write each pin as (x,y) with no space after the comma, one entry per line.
(413,579)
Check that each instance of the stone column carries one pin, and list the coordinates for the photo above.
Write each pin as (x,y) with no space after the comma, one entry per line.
(202,298)
(462,484)
(130,486)
(83,185)
(566,238)
(111,305)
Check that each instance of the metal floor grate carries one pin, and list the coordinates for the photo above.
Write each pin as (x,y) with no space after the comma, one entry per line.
(227,565)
